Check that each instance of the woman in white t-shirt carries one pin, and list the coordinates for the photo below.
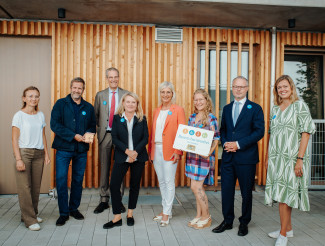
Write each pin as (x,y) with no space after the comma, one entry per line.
(30,150)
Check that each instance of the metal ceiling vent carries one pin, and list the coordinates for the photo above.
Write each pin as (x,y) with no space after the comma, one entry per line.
(174,35)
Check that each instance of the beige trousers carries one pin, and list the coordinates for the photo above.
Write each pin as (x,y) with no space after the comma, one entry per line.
(29,184)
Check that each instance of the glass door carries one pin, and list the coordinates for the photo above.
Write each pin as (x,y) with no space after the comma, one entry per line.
(307,71)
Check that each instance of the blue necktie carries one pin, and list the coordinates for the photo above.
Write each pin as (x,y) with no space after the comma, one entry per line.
(236,112)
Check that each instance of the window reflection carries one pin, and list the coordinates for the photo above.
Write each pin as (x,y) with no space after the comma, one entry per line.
(307,74)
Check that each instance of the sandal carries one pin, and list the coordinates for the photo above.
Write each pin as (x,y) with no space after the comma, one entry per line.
(193,222)
(203,223)
(159,217)
(164,223)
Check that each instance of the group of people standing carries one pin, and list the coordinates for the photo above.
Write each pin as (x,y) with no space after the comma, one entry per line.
(118,119)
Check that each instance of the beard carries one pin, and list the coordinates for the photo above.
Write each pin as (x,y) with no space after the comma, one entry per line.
(75,96)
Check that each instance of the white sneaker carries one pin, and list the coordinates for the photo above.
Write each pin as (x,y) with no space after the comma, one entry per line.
(281,241)
(34,227)
(39,220)
(275,234)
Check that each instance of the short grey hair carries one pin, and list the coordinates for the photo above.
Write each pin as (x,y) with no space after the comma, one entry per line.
(167,84)
(240,77)
(112,69)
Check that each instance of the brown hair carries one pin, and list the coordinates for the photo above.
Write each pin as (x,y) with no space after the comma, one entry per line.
(293,97)
(138,111)
(209,107)
(30,88)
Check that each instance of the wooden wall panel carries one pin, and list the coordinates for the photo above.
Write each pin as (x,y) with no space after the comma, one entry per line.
(86,50)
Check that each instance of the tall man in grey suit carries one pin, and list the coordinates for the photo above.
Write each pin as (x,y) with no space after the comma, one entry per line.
(106,103)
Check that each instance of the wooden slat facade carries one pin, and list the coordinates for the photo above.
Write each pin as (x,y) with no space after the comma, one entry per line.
(86,50)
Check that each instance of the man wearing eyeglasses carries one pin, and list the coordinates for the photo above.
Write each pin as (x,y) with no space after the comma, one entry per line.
(106,103)
(242,126)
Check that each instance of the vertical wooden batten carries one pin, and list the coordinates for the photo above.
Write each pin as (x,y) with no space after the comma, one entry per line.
(87,50)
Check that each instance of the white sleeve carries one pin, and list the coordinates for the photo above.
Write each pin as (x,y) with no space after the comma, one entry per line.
(43,120)
(16,120)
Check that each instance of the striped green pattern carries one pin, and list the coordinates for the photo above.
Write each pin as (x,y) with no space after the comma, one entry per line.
(286,128)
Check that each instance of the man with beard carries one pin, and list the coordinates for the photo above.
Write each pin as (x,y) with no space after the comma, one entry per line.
(72,118)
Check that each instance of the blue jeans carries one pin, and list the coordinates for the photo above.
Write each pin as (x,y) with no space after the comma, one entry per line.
(79,161)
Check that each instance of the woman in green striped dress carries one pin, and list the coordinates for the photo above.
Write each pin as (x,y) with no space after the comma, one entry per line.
(287,160)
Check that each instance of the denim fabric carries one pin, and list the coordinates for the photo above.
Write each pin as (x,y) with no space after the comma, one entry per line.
(79,161)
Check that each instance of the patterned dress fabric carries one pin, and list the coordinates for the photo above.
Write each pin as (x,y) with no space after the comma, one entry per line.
(197,167)
(282,185)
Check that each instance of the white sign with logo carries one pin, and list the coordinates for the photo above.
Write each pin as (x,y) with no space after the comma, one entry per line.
(193,139)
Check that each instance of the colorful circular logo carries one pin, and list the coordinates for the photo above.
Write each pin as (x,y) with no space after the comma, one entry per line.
(198,134)
(273,117)
(122,120)
(249,106)
(83,112)
(170,112)
(201,125)
(205,135)
(104,102)
(191,132)
(185,131)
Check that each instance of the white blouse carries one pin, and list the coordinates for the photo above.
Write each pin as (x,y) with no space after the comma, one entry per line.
(31,129)
(160,124)
(130,128)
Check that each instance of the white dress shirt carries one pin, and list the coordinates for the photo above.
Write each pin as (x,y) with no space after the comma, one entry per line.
(110,96)
(241,105)
(130,127)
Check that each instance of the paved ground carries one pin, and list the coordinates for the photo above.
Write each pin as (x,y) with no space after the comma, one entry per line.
(309,227)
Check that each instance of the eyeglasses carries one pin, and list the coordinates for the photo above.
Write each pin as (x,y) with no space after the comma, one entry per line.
(234,87)
(116,77)
(199,100)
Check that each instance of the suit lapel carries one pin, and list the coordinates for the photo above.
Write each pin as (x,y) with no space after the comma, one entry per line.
(155,119)
(230,114)
(106,98)
(243,111)
(123,122)
(119,94)
(169,115)
(135,121)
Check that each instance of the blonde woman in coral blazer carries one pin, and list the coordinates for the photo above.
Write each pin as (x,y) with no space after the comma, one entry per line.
(166,119)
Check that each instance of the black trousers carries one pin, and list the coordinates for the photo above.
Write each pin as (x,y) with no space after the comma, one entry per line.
(118,173)
(246,177)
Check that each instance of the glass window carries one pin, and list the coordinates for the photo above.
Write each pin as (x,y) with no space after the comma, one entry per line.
(307,74)
(223,73)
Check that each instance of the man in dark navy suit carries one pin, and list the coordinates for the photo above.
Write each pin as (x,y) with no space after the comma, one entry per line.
(242,126)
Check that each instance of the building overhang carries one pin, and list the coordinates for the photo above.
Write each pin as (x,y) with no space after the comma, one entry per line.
(261,14)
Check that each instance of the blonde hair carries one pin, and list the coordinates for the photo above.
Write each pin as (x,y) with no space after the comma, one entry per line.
(138,111)
(208,109)
(167,84)
(293,97)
